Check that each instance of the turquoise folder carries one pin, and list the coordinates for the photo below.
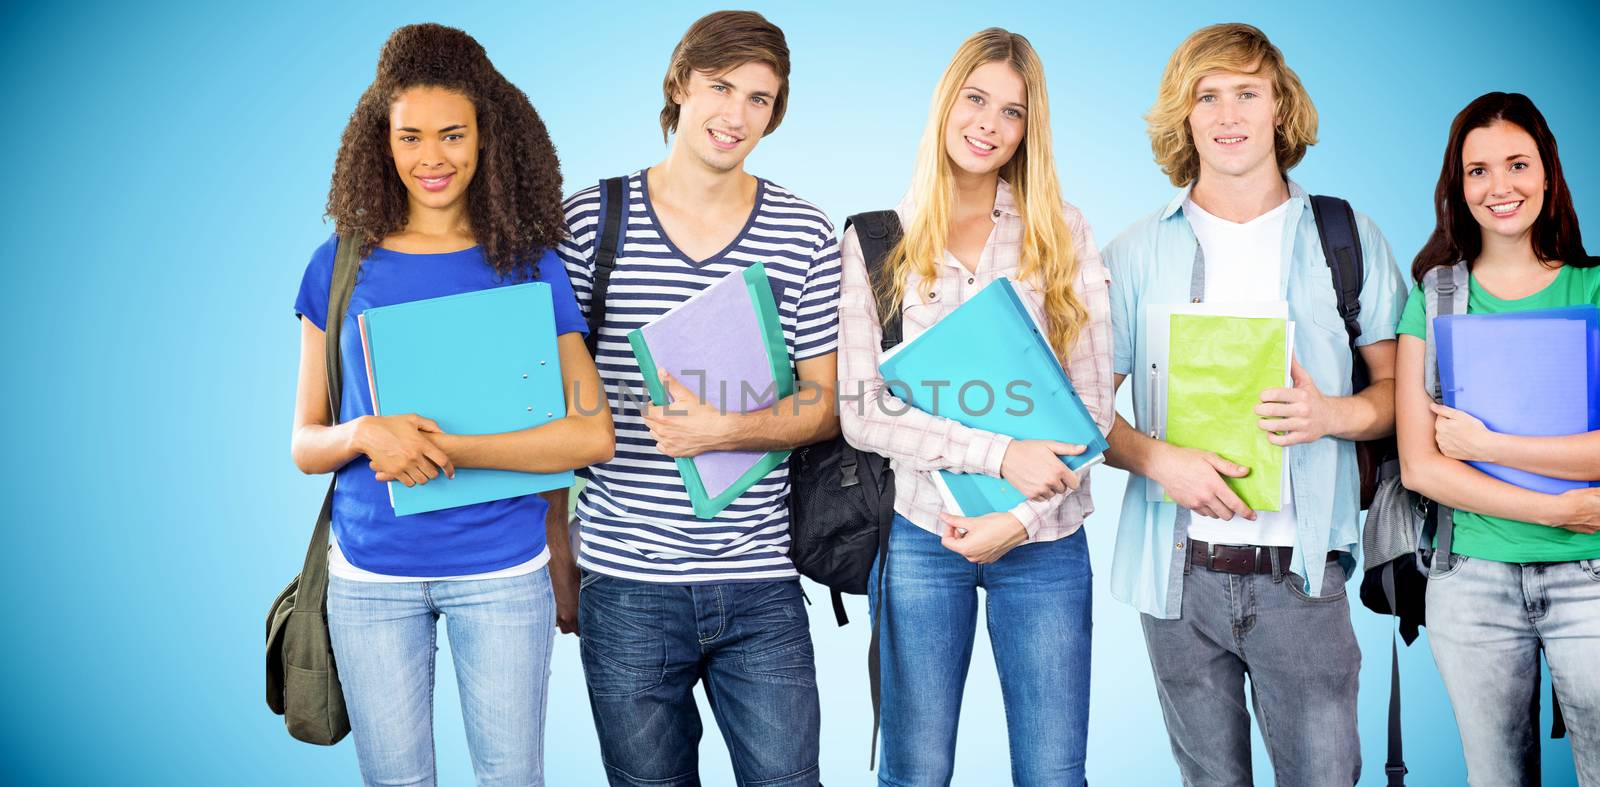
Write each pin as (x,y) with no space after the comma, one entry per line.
(989,366)
(476,363)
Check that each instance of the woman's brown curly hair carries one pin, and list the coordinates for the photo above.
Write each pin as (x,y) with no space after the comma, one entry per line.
(513,201)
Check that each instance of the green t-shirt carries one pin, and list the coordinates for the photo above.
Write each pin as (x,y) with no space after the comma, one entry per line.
(1490,537)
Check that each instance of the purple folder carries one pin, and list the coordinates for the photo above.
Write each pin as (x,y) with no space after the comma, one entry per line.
(725,345)
(1534,373)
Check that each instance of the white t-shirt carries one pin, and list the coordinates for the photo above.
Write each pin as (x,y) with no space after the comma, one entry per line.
(341,567)
(1244,264)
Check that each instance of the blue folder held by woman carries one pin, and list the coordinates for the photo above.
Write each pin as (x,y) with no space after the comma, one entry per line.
(430,357)
(988,365)
(1532,373)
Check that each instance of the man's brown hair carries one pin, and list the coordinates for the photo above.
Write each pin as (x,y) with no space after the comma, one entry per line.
(720,42)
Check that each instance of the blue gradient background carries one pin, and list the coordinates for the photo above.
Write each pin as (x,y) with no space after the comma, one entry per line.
(168,168)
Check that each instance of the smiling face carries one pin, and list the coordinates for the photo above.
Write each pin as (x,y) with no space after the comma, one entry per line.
(1234,124)
(722,116)
(985,127)
(1503,179)
(433,138)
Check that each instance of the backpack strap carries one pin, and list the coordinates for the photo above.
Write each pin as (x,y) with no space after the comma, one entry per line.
(1341,248)
(879,232)
(613,211)
(1444,290)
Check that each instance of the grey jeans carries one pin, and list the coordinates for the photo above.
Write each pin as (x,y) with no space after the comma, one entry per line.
(1487,622)
(1303,662)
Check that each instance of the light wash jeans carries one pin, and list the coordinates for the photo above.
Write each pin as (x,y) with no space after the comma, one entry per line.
(501,633)
(1038,614)
(1303,661)
(1487,622)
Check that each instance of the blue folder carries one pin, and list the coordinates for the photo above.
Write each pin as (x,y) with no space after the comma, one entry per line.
(991,343)
(1532,373)
(476,363)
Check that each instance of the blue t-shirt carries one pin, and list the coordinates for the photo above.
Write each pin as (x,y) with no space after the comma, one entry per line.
(454,541)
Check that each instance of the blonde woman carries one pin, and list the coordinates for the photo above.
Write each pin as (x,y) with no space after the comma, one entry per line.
(984,203)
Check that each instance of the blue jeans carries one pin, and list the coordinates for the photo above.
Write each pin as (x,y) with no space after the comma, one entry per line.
(1303,661)
(501,632)
(646,644)
(1038,614)
(1487,622)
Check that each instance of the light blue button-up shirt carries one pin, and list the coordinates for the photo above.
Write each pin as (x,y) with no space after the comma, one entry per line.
(1151,263)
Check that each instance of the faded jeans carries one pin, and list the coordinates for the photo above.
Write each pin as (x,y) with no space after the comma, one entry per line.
(501,632)
(1487,622)
(1301,656)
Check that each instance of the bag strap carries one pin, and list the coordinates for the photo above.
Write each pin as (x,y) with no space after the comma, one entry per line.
(313,591)
(1395,766)
(1341,248)
(613,211)
(879,232)
(1445,291)
(874,659)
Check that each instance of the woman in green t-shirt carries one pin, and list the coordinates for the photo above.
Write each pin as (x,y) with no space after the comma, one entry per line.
(1526,571)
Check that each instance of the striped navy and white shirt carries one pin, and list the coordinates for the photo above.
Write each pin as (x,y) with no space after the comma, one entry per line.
(636,518)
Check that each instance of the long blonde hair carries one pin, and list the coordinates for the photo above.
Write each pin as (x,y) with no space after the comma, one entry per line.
(1048,256)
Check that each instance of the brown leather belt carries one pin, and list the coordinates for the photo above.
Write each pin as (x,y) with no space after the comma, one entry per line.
(1241,559)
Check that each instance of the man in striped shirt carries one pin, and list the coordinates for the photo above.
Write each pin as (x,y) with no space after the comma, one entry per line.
(669,599)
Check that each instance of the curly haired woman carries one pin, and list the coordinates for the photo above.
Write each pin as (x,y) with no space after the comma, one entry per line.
(447,179)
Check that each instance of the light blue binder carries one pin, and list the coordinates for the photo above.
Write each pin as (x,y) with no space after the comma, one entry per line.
(991,343)
(476,363)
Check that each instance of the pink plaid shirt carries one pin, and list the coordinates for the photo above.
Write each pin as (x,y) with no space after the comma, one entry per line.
(918,443)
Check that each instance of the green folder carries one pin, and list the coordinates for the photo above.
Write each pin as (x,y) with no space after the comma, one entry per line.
(1216,372)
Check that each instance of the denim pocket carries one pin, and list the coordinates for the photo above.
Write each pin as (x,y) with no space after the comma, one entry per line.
(589,578)
(793,663)
(1334,580)
(1435,571)
(774,632)
(623,648)
(1591,567)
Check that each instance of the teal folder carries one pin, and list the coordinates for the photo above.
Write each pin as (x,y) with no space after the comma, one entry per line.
(476,363)
(989,366)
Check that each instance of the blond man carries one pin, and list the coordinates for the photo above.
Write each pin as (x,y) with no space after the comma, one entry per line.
(1226,591)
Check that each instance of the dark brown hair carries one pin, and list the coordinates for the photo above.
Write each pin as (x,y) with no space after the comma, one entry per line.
(722,41)
(514,199)
(1457,235)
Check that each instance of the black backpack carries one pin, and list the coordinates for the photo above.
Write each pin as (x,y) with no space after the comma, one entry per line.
(841,499)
